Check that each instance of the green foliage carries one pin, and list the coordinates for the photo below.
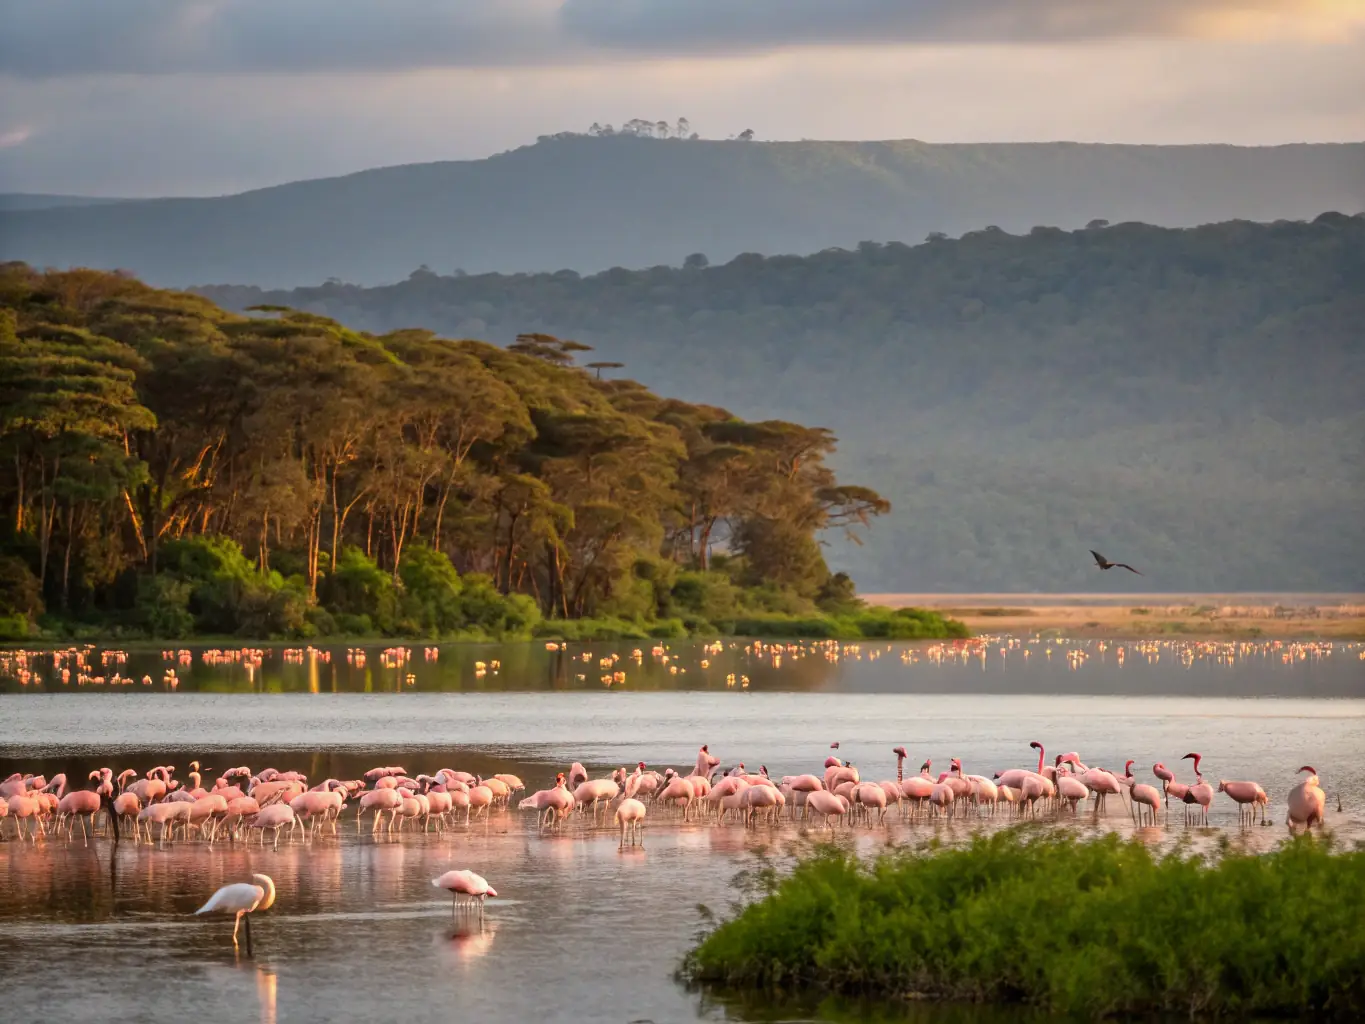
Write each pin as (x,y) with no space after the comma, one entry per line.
(357,586)
(1092,928)
(1147,392)
(21,595)
(163,607)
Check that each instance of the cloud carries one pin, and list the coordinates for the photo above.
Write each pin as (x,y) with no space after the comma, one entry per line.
(72,37)
(15,137)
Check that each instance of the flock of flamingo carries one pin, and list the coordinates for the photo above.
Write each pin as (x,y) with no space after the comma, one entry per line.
(241,805)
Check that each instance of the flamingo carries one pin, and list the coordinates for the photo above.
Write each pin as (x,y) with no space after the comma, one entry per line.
(1248,796)
(630,815)
(242,898)
(1307,802)
(1141,793)
(1201,792)
(465,883)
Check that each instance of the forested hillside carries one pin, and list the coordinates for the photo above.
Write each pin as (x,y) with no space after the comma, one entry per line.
(168,468)
(1191,401)
(590,203)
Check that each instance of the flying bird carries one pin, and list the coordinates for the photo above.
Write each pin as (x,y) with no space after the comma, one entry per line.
(1104,563)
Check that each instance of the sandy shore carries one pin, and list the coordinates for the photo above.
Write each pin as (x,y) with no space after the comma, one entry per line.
(1215,616)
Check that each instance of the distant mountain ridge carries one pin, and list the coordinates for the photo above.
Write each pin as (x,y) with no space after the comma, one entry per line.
(589,204)
(42,201)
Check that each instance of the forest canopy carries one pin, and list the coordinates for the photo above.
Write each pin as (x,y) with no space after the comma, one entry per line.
(172,468)
(1187,399)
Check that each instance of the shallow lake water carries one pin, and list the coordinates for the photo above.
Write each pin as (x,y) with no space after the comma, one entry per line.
(581,931)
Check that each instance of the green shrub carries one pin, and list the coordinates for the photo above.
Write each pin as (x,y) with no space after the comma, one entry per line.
(1082,927)
(431,591)
(163,607)
(13,627)
(357,586)
(591,629)
(20,593)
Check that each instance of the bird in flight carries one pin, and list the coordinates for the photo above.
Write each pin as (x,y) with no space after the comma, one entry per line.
(1104,563)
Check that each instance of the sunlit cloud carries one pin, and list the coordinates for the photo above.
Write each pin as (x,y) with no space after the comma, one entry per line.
(15,137)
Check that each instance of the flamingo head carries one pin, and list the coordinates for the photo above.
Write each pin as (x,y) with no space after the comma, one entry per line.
(1197,758)
(954,763)
(704,750)
(1128,769)
(1057,761)
(942,776)
(1309,768)
(98,773)
(899,752)
(834,745)
(641,766)
(559,779)
(1035,745)
(928,763)
(1222,786)
(763,770)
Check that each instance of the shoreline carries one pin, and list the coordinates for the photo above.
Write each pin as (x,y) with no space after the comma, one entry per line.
(1297,616)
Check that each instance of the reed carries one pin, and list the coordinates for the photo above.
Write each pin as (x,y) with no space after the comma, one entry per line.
(1093,927)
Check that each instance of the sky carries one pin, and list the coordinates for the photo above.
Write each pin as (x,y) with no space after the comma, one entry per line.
(207,97)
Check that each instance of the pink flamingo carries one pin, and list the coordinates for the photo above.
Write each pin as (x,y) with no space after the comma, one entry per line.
(595,792)
(1201,792)
(826,804)
(1142,794)
(242,898)
(1167,778)
(706,762)
(1307,802)
(77,805)
(756,799)
(869,795)
(1248,796)
(276,816)
(677,790)
(474,888)
(630,816)
(1071,790)
(918,788)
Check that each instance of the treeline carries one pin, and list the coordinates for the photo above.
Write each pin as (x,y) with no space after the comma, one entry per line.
(171,468)
(1191,397)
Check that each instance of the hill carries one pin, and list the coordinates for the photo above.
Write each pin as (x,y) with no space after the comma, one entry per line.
(1191,401)
(18,201)
(591,203)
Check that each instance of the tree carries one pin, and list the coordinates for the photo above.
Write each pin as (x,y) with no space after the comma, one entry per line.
(747,135)
(600,366)
(696,261)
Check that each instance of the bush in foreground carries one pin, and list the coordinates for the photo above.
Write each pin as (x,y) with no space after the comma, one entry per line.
(1096,927)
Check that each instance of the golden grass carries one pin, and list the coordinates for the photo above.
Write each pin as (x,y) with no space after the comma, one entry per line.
(1336,617)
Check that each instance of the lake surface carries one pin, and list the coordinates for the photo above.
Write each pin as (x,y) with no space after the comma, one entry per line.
(581,931)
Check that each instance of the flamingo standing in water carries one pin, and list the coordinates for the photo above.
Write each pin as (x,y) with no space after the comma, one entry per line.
(1249,796)
(1307,802)
(242,898)
(465,883)
(1142,794)
(630,815)
(1201,793)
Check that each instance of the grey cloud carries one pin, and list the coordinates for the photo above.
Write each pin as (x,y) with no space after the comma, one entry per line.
(59,37)
(56,37)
